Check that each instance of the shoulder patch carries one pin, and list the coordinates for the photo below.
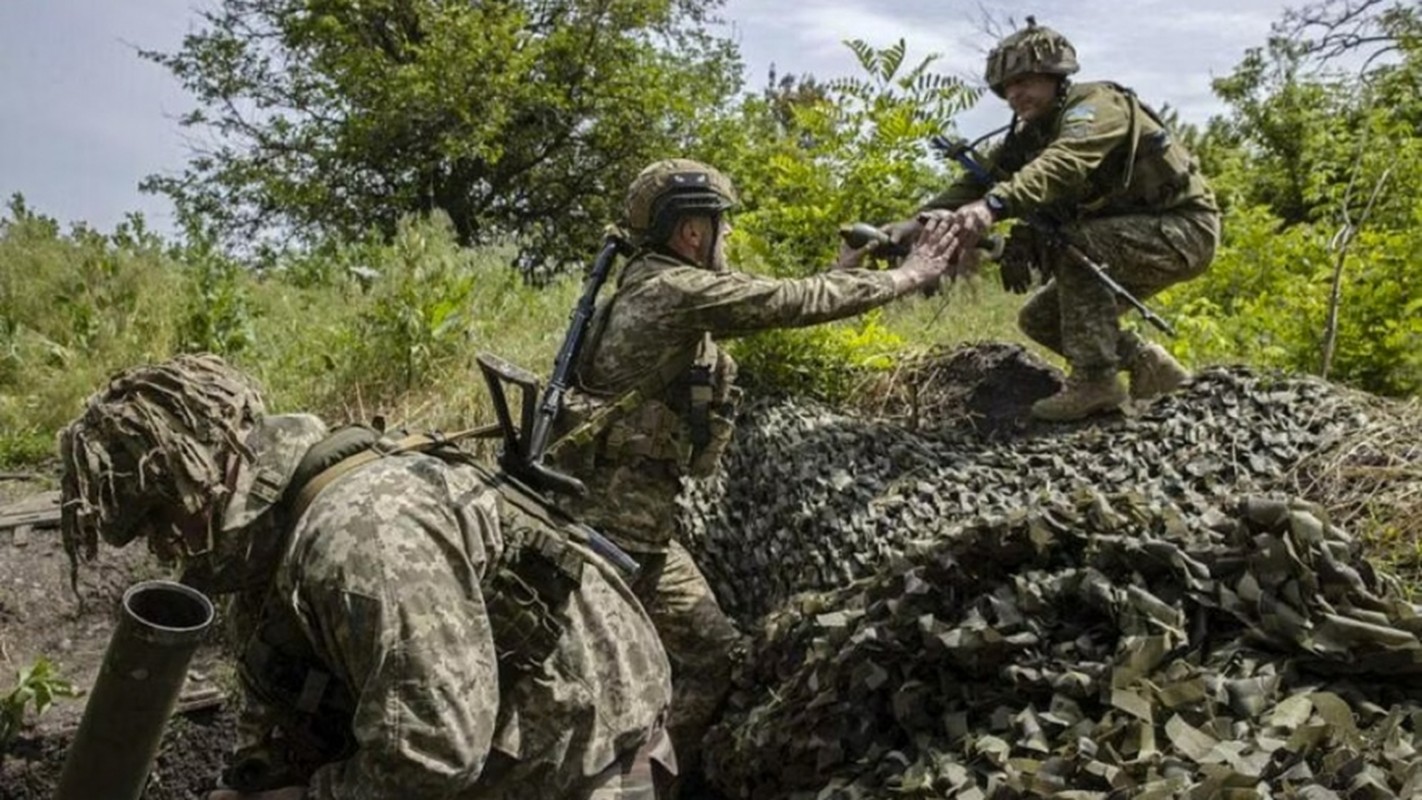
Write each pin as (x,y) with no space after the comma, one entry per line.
(1082,114)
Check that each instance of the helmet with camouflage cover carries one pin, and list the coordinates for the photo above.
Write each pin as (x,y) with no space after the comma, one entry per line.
(152,449)
(1034,49)
(667,190)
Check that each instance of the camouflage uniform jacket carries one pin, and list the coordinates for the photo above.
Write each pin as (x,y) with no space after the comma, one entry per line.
(385,574)
(1101,153)
(662,318)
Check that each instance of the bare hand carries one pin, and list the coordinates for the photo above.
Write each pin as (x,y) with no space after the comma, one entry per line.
(284,793)
(929,257)
(851,257)
(968,225)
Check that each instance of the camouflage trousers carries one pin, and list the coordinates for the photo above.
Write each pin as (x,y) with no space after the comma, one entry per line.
(700,641)
(640,775)
(1076,316)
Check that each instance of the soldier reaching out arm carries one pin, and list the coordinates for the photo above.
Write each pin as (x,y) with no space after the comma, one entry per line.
(654,398)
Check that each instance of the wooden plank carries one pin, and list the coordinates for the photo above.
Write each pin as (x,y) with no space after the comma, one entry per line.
(20,476)
(39,511)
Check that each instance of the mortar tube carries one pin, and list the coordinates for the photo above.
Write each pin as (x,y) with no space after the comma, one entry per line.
(160,625)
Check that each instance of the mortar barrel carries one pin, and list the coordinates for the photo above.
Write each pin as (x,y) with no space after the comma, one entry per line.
(160,625)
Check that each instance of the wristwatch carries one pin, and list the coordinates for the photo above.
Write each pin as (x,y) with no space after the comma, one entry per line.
(996,205)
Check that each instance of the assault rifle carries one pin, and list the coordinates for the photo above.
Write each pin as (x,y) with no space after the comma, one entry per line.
(526,442)
(964,152)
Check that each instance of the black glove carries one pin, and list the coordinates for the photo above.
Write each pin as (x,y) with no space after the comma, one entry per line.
(1019,258)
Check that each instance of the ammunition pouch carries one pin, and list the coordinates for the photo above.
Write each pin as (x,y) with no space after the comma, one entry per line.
(1162,172)
(682,414)
(720,429)
(527,593)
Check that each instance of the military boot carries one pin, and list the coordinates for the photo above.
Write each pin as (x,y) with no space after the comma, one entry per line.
(1081,397)
(1154,372)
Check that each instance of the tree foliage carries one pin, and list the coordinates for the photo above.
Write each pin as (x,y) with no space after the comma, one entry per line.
(328,118)
(808,156)
(1319,168)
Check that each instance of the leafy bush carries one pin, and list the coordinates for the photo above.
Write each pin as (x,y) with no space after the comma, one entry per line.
(218,318)
(38,685)
(826,362)
(809,158)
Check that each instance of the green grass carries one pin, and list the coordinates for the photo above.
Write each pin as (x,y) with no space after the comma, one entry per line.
(967,311)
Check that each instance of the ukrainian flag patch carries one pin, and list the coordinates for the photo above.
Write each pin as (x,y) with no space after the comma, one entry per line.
(1079,115)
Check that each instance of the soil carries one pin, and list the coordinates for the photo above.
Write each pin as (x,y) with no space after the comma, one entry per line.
(990,386)
(41,617)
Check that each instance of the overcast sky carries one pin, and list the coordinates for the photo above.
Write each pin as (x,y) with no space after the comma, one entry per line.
(83,119)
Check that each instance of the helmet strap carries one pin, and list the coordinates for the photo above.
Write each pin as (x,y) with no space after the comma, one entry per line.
(712,241)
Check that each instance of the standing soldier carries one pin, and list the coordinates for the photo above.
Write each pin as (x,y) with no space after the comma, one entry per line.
(1094,160)
(654,399)
(410,624)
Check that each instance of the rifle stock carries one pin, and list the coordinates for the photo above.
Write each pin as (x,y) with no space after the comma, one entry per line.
(526,441)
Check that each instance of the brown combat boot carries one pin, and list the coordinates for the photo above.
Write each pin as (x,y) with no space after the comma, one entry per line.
(1081,397)
(1154,372)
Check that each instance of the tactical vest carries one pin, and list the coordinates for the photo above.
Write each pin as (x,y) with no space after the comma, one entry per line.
(681,412)
(1157,170)
(1150,173)
(525,593)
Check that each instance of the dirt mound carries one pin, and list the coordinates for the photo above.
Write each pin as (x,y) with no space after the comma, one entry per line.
(990,386)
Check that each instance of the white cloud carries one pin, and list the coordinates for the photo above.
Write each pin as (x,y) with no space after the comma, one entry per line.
(86,119)
(1168,51)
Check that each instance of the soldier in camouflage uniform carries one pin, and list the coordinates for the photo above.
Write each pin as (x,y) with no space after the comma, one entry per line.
(409,625)
(655,399)
(1093,159)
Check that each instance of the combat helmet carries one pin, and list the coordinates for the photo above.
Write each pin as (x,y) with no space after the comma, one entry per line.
(1035,48)
(159,437)
(668,190)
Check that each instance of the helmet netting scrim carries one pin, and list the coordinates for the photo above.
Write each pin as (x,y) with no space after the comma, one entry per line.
(159,436)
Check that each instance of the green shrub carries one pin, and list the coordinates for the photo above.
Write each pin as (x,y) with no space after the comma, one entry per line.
(826,362)
(37,687)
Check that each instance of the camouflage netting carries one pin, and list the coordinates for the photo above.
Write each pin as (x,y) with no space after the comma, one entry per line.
(990,608)
(811,498)
(1097,646)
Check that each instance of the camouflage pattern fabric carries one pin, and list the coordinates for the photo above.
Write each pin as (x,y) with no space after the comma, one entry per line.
(151,436)
(385,575)
(1124,191)
(1075,315)
(1099,647)
(1100,154)
(384,572)
(661,310)
(700,641)
(636,776)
